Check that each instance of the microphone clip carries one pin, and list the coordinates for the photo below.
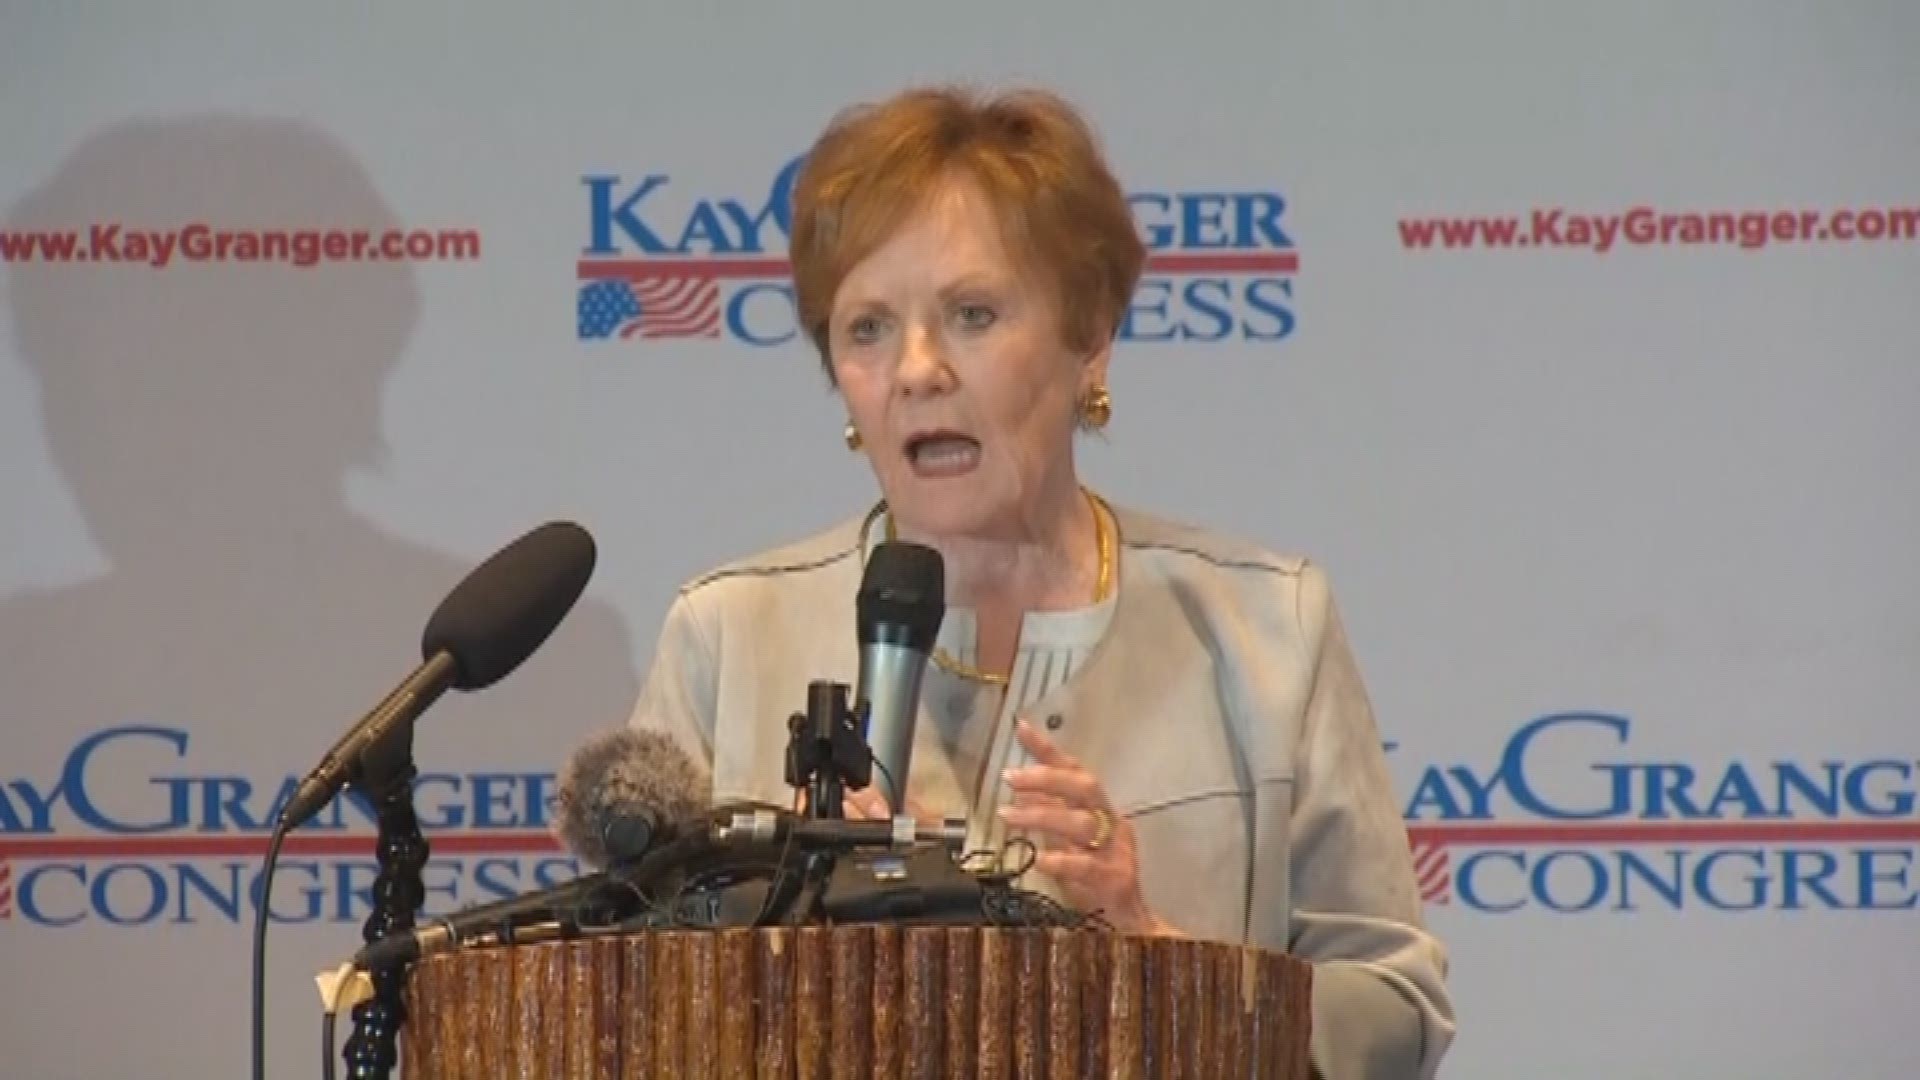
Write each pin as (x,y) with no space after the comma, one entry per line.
(827,751)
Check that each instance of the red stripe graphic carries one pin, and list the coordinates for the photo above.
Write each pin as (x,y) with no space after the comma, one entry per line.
(1177,262)
(6,891)
(1434,869)
(678,306)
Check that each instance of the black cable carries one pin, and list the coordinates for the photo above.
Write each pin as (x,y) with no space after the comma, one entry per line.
(891,785)
(326,1044)
(260,915)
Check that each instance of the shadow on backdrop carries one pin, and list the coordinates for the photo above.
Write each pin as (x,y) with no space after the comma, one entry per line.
(205,416)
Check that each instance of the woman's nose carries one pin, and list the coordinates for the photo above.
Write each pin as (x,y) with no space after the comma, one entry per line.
(923,364)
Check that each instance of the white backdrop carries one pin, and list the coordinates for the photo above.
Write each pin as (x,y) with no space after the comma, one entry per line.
(1652,493)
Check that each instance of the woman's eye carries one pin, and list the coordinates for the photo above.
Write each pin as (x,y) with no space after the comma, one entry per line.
(975,316)
(864,329)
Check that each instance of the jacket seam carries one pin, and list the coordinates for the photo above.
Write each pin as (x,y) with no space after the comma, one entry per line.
(1216,560)
(766,571)
(1170,803)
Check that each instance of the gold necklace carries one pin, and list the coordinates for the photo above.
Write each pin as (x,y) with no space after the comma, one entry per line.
(1102,587)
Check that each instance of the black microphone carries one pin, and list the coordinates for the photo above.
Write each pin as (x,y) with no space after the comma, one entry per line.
(486,627)
(771,826)
(901,603)
(586,900)
(630,802)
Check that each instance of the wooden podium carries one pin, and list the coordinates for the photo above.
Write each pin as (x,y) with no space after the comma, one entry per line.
(845,1002)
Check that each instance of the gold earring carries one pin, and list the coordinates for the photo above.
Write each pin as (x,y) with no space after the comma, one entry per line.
(1096,409)
(853,436)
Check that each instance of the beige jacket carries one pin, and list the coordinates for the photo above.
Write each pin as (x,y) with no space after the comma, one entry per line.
(1223,711)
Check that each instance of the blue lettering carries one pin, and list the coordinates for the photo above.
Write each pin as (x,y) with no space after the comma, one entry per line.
(540,796)
(1432,789)
(1159,292)
(353,889)
(73,781)
(1814,881)
(1826,800)
(1897,802)
(553,871)
(1678,778)
(496,879)
(1586,862)
(1212,298)
(741,329)
(1906,899)
(149,888)
(1156,235)
(227,796)
(313,893)
(1479,795)
(1755,880)
(280,799)
(39,809)
(448,814)
(449,871)
(226,897)
(705,227)
(1466,880)
(605,216)
(1202,221)
(32,904)
(490,794)
(1278,306)
(1513,768)
(1737,787)
(1257,220)
(1672,885)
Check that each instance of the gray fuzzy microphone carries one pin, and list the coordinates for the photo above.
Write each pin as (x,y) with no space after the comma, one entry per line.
(626,792)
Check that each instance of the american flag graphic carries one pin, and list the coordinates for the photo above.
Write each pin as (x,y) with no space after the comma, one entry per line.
(6,891)
(668,305)
(1433,870)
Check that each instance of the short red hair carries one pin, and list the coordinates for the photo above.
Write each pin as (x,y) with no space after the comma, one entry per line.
(1029,152)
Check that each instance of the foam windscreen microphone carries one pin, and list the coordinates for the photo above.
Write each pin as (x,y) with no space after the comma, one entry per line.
(627,791)
(484,629)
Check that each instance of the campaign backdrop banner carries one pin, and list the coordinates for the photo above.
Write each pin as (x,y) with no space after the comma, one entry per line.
(1577,342)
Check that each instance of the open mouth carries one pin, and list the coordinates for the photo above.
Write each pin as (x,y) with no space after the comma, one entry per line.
(941,454)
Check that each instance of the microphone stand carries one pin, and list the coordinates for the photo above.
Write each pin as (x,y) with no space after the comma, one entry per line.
(826,754)
(385,776)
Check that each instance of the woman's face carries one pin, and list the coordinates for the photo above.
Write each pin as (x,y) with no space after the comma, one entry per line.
(950,360)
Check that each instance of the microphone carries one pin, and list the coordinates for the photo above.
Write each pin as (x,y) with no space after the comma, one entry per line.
(486,627)
(772,826)
(629,800)
(901,603)
(626,792)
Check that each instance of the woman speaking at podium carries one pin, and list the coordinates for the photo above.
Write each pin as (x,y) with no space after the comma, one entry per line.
(1173,717)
